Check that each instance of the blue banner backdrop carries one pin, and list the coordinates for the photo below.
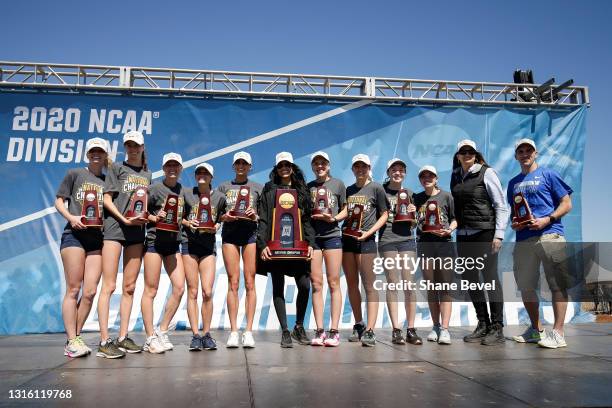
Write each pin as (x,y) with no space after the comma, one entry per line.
(43,135)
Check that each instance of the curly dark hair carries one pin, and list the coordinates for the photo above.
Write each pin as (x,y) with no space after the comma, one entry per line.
(297,181)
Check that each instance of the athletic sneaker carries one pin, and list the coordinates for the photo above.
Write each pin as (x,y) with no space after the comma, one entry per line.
(109,350)
(412,337)
(531,335)
(153,345)
(444,337)
(358,330)
(332,339)
(196,343)
(319,338)
(247,340)
(233,341)
(127,345)
(434,333)
(495,335)
(208,343)
(368,339)
(286,339)
(74,349)
(478,334)
(164,340)
(82,344)
(299,334)
(396,337)
(552,339)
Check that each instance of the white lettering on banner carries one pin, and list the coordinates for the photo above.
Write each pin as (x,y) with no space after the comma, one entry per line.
(39,119)
(50,150)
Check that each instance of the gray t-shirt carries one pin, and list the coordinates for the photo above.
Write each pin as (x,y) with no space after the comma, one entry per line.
(336,197)
(372,197)
(447,213)
(73,188)
(121,180)
(230,189)
(158,193)
(192,202)
(392,233)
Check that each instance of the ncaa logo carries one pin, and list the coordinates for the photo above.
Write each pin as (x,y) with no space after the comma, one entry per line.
(436,145)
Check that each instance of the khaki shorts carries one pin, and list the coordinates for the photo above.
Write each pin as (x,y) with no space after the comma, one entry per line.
(548,250)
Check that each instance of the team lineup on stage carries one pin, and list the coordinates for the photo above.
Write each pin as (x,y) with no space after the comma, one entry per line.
(291,227)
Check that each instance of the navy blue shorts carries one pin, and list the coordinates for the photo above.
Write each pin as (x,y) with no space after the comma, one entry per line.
(328,243)
(199,251)
(164,249)
(239,238)
(403,246)
(89,240)
(359,247)
(125,243)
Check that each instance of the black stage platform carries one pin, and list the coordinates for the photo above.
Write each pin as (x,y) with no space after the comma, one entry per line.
(459,375)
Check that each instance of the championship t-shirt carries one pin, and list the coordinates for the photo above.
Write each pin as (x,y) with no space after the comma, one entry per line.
(372,197)
(192,202)
(446,205)
(159,195)
(336,199)
(392,233)
(121,181)
(543,189)
(231,189)
(73,188)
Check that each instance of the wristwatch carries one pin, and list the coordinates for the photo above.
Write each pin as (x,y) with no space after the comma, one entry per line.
(552,218)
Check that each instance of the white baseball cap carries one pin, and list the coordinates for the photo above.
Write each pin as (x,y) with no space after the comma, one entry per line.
(319,154)
(96,142)
(135,136)
(466,142)
(209,168)
(172,156)
(525,141)
(284,156)
(244,156)
(428,168)
(395,160)
(361,158)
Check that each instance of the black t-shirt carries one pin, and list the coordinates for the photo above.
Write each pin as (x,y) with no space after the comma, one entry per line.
(447,213)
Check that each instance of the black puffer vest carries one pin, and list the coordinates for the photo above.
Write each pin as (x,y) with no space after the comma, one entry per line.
(473,206)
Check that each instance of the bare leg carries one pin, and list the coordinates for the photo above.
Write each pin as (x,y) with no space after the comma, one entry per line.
(152,272)
(350,264)
(368,277)
(111,251)
(93,271)
(174,266)
(316,277)
(231,259)
(532,306)
(132,259)
(192,275)
(333,261)
(73,259)
(249,254)
(207,276)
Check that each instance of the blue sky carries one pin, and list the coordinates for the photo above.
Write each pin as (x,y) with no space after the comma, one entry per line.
(476,40)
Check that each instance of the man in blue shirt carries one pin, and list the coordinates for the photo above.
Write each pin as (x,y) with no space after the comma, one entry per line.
(540,241)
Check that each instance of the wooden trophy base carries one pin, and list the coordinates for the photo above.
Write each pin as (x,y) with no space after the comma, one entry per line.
(167,227)
(298,251)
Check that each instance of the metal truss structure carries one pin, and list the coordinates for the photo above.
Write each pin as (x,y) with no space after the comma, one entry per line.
(208,83)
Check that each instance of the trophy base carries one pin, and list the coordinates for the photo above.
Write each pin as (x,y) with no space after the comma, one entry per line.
(141,216)
(325,211)
(167,227)
(432,228)
(523,221)
(208,230)
(352,233)
(92,223)
(241,216)
(299,251)
(411,220)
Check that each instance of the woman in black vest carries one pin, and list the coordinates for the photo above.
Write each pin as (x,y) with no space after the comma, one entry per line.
(286,174)
(482,217)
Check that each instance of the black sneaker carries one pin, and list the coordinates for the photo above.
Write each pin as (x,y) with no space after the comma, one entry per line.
(412,337)
(127,345)
(494,336)
(396,337)
(109,350)
(358,330)
(478,334)
(196,343)
(299,334)
(368,339)
(208,343)
(286,339)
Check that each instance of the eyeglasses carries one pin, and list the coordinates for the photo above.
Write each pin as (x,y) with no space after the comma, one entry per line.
(467,152)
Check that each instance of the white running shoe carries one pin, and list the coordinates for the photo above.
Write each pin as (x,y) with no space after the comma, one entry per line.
(74,349)
(164,340)
(530,335)
(83,345)
(434,334)
(247,340)
(444,337)
(153,345)
(552,339)
(233,341)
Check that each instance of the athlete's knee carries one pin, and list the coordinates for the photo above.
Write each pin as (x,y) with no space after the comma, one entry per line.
(72,292)
(89,293)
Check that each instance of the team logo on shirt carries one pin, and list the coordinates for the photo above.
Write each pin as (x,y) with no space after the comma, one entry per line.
(133,181)
(358,199)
